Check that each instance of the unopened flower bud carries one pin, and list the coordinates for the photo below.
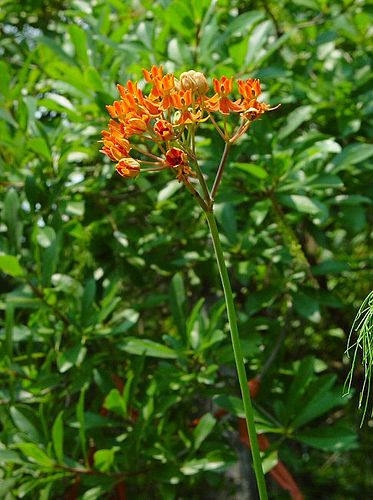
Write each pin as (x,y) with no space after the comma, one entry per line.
(195,81)
(128,167)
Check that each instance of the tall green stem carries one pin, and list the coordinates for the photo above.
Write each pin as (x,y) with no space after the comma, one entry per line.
(238,356)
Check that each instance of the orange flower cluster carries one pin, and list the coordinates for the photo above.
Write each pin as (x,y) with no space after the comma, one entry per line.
(156,131)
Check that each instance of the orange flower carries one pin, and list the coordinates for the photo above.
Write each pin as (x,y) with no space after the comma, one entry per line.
(176,157)
(163,85)
(255,110)
(134,101)
(131,90)
(153,74)
(183,101)
(164,130)
(220,101)
(128,167)
(115,145)
(136,124)
(119,109)
(249,89)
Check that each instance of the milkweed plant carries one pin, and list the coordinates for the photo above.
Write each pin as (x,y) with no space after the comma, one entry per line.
(156,131)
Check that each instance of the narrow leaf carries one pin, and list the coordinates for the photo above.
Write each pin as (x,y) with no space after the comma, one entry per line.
(57,437)
(203,429)
(9,265)
(81,420)
(146,347)
(35,454)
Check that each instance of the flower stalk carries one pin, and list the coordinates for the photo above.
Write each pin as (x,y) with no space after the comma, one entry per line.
(238,355)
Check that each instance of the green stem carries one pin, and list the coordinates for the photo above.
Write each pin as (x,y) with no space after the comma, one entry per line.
(202,182)
(220,171)
(238,356)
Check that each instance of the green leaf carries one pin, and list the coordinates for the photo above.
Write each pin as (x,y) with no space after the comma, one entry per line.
(57,437)
(40,147)
(72,357)
(226,215)
(352,154)
(192,326)
(10,457)
(10,329)
(353,218)
(45,236)
(93,78)
(75,208)
(308,4)
(10,214)
(318,210)
(336,437)
(6,116)
(251,169)
(56,48)
(34,192)
(6,486)
(230,403)
(259,211)
(319,404)
(303,376)
(10,265)
(24,421)
(81,420)
(87,303)
(35,454)
(94,421)
(25,489)
(213,461)
(203,429)
(270,461)
(179,15)
(326,180)
(94,493)
(257,39)
(243,23)
(177,303)
(5,79)
(146,347)
(352,199)
(131,318)
(128,389)
(104,459)
(295,120)
(114,402)
(307,307)
(330,267)
(79,39)
(50,260)
(170,189)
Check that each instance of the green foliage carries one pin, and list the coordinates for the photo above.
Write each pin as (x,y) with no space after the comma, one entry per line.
(113,334)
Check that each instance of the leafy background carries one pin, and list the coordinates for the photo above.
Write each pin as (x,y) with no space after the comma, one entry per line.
(114,338)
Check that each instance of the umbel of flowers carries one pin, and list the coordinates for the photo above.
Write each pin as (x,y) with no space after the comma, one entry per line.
(155,131)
